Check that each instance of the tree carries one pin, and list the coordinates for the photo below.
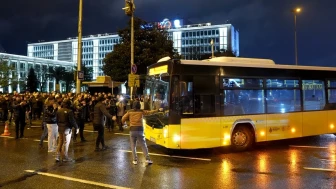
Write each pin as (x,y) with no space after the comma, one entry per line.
(88,73)
(44,77)
(150,45)
(222,52)
(32,81)
(57,73)
(8,75)
(68,78)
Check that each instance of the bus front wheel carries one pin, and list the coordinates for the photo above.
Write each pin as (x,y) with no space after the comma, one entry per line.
(242,139)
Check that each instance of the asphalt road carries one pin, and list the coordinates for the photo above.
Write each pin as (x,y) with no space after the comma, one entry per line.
(299,163)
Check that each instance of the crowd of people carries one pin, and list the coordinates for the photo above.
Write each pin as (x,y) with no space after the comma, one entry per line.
(60,114)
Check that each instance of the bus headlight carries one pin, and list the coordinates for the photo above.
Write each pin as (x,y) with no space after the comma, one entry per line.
(165,132)
(226,139)
(176,138)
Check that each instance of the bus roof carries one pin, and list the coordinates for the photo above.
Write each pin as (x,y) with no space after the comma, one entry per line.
(250,62)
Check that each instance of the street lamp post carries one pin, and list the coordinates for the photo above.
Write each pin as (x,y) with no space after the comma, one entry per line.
(212,48)
(296,11)
(129,11)
(79,47)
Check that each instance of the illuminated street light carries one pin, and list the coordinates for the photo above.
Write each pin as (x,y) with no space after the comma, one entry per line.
(296,11)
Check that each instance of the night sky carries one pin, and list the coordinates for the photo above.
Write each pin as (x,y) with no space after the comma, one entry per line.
(266,27)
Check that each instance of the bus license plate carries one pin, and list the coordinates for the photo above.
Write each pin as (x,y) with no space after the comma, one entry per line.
(152,139)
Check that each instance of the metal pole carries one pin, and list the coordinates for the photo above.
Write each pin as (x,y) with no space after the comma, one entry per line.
(296,53)
(132,44)
(79,47)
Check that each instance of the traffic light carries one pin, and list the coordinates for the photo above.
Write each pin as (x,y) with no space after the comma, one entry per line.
(129,8)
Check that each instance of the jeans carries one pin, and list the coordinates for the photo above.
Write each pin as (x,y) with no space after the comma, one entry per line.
(52,136)
(63,143)
(138,136)
(44,134)
(100,137)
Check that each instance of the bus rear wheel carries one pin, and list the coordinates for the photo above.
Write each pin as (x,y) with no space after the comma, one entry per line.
(242,139)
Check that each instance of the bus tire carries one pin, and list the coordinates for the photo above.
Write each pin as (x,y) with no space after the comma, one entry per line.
(242,139)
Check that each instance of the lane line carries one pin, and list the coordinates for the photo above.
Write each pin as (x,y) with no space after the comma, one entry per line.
(319,169)
(6,136)
(39,140)
(318,147)
(76,180)
(122,134)
(164,155)
(89,131)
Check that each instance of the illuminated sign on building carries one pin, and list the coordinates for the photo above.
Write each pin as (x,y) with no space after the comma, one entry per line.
(164,24)
(167,24)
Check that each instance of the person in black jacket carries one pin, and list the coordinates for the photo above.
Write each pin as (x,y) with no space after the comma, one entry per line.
(98,122)
(81,112)
(49,116)
(19,111)
(65,121)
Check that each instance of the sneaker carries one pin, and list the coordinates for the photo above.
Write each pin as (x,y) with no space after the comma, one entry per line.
(135,162)
(105,148)
(57,159)
(148,161)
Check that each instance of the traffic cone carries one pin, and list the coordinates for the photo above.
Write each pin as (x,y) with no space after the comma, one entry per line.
(6,132)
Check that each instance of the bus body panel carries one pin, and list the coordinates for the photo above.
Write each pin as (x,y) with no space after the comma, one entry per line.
(200,132)
(331,121)
(172,134)
(258,123)
(315,123)
(153,134)
(285,125)
(167,137)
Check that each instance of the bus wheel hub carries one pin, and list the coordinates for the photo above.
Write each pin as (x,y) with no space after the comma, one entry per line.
(239,139)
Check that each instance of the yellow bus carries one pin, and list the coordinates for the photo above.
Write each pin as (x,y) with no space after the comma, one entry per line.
(237,102)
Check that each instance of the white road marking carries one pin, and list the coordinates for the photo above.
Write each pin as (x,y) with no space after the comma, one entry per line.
(164,155)
(106,131)
(39,141)
(76,180)
(318,147)
(319,169)
(122,134)
(6,136)
(90,131)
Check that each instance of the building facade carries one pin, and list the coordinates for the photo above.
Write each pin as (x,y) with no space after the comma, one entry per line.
(191,41)
(23,64)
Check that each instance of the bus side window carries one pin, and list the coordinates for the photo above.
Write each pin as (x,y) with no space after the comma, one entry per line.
(313,95)
(187,97)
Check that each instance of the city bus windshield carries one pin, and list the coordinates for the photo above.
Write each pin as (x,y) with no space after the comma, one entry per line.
(157,96)
(156,92)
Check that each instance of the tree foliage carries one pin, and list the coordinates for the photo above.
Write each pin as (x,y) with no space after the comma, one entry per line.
(8,75)
(32,81)
(56,73)
(150,45)
(44,75)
